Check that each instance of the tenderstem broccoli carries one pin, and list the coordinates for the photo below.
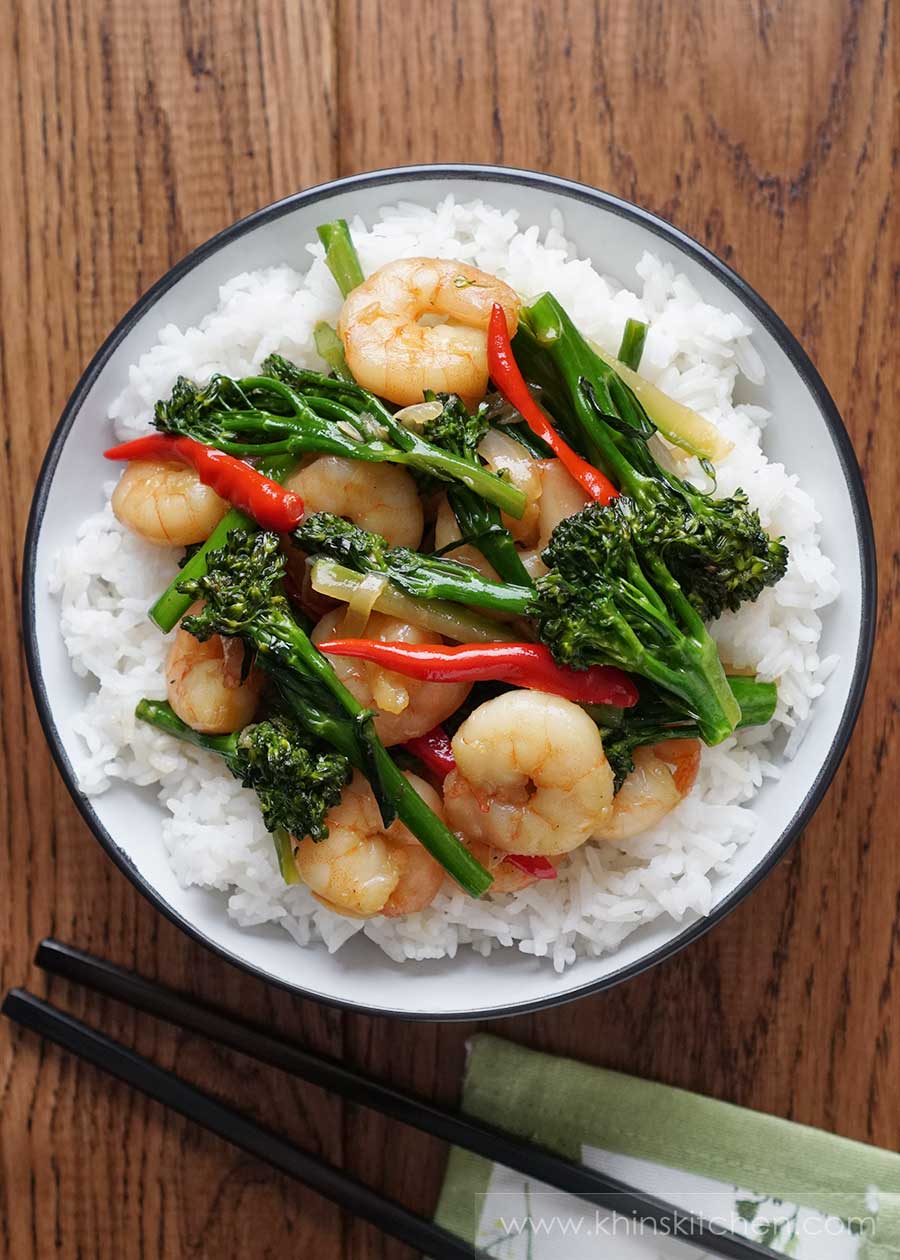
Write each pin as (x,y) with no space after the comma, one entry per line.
(656,718)
(423,577)
(602,602)
(242,598)
(715,548)
(295,782)
(294,411)
(340,255)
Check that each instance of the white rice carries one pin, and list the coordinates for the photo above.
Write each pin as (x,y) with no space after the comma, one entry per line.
(211,827)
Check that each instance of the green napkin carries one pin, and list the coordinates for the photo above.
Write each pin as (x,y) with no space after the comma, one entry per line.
(803,1192)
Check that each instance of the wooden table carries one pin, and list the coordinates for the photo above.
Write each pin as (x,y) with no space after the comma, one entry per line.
(131,132)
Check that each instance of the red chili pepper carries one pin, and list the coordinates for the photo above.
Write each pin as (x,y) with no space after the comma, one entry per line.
(270,505)
(434,750)
(525,664)
(511,383)
(539,867)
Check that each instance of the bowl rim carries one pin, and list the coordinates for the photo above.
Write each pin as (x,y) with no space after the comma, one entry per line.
(658,227)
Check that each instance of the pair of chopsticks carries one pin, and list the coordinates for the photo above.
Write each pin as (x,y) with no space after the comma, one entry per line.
(392,1218)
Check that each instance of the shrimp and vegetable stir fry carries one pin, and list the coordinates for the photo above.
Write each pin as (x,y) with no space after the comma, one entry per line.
(571,577)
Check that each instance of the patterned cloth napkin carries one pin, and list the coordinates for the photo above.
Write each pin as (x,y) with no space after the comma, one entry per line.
(803,1192)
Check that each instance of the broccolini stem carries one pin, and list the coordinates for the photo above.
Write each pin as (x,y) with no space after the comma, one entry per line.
(477,519)
(340,255)
(160,714)
(172,604)
(422,455)
(453,621)
(308,430)
(757,701)
(624,731)
(424,577)
(434,835)
(300,437)
(330,347)
(705,689)
(281,640)
(591,384)
(632,346)
(284,855)
(445,579)
(721,712)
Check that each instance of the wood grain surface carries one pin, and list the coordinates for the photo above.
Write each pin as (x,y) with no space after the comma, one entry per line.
(770,130)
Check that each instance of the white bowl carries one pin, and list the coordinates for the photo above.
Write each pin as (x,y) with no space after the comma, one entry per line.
(807,435)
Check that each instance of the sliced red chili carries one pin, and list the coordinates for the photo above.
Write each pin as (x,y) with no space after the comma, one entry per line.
(434,750)
(539,867)
(511,383)
(528,665)
(270,505)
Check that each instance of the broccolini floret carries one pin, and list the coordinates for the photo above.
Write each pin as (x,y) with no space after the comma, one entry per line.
(716,548)
(604,601)
(294,411)
(242,598)
(295,781)
(606,598)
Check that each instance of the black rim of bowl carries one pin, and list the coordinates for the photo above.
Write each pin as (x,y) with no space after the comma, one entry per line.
(766,316)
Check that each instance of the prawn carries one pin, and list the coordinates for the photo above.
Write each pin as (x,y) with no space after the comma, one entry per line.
(507,877)
(361,869)
(531,775)
(663,775)
(561,496)
(379,497)
(405,708)
(446,532)
(166,504)
(392,352)
(203,683)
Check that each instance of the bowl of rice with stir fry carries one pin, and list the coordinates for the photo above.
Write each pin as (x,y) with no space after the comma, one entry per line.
(449,591)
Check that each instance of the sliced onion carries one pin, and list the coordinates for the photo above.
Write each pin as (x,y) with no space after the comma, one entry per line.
(451,620)
(360,605)
(681,425)
(505,455)
(417,415)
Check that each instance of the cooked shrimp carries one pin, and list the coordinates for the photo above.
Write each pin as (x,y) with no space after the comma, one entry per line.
(203,683)
(405,707)
(361,869)
(446,530)
(662,776)
(379,497)
(507,877)
(551,494)
(395,355)
(531,775)
(166,503)
(561,496)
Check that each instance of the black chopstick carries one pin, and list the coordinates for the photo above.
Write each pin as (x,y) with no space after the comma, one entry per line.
(165,1087)
(491,1143)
